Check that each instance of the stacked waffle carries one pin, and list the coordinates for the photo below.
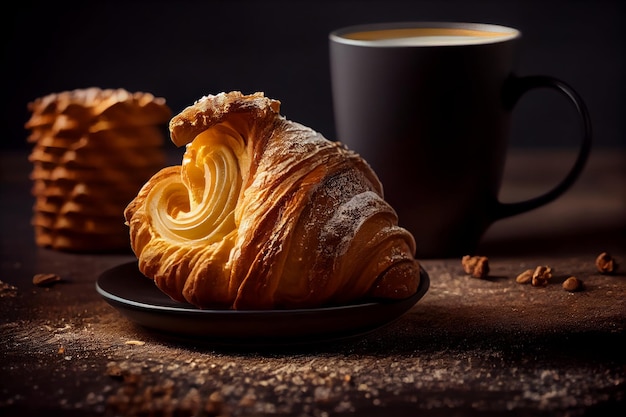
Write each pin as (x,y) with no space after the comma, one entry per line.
(92,151)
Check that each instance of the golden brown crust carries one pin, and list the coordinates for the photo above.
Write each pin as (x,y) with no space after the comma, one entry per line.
(211,110)
(92,151)
(96,109)
(265,213)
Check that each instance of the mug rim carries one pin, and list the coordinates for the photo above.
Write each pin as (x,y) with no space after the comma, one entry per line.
(508,33)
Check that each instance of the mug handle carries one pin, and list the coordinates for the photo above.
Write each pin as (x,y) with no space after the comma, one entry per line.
(516,87)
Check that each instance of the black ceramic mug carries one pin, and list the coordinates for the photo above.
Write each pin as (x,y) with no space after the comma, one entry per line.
(428,105)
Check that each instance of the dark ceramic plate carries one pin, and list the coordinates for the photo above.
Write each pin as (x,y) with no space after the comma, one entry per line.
(136,297)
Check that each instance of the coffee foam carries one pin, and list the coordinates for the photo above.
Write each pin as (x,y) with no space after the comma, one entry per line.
(425,36)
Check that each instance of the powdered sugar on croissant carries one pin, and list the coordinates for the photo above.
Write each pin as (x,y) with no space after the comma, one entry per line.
(265,213)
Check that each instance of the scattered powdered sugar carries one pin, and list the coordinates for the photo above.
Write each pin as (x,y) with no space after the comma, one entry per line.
(83,356)
(348,218)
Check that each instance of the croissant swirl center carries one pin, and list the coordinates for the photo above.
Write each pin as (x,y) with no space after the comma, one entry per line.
(200,204)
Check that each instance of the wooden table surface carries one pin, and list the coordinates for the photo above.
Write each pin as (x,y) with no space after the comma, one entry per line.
(470,347)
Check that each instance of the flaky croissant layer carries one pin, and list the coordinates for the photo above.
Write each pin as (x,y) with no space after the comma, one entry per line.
(265,213)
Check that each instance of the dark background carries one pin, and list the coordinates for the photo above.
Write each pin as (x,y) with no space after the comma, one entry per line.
(182,50)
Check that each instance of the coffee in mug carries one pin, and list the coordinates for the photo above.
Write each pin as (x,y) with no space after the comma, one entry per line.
(428,105)
(429,36)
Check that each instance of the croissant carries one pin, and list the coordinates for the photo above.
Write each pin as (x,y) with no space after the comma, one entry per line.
(265,213)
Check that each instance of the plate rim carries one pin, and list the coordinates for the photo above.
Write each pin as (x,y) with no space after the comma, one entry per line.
(130,308)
